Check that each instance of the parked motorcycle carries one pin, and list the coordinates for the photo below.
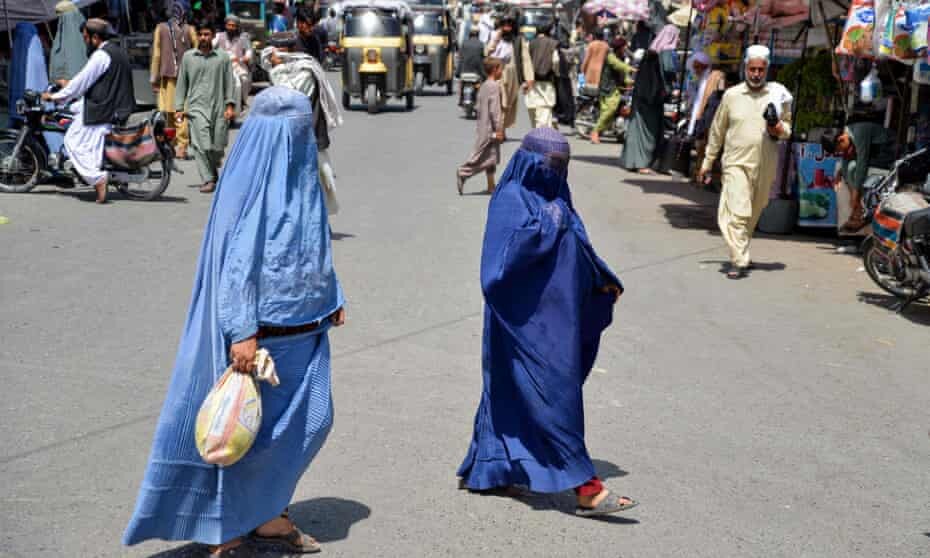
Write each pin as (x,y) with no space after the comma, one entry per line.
(470,84)
(26,158)
(589,111)
(896,254)
(332,56)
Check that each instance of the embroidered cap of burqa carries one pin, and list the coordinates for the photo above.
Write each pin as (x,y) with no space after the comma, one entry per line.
(544,314)
(265,260)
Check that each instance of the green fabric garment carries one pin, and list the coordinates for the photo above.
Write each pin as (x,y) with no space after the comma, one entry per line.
(205,88)
(874,146)
(615,74)
(609,104)
(69,53)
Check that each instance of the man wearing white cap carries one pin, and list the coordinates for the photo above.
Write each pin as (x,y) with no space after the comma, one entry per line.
(752,118)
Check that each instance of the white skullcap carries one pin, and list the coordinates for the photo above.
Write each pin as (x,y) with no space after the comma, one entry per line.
(758,52)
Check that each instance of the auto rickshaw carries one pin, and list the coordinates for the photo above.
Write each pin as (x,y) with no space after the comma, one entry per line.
(533,18)
(377,53)
(432,50)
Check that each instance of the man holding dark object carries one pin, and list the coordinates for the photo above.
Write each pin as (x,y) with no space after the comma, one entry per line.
(752,118)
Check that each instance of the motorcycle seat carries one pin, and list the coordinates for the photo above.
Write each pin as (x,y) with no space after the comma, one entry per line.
(471,77)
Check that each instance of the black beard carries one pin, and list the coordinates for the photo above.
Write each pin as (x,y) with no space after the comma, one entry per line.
(232,34)
(90,48)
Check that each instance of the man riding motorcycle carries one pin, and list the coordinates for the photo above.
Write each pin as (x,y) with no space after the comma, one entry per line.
(472,59)
(105,83)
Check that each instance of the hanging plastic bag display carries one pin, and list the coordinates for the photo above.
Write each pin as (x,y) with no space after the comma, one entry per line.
(917,16)
(882,9)
(870,89)
(857,34)
(896,39)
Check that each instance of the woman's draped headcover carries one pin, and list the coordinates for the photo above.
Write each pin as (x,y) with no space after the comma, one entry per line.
(269,208)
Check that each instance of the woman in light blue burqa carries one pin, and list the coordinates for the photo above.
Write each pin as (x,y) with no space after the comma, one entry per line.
(265,278)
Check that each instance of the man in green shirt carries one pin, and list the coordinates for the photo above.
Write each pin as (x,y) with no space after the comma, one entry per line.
(861,145)
(206,96)
(614,77)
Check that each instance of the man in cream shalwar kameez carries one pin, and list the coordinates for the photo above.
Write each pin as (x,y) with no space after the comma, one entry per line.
(750,154)
(540,86)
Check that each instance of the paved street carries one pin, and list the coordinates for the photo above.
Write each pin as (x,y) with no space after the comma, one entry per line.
(784,415)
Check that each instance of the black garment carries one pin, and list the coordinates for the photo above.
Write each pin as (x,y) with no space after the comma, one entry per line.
(310,45)
(518,57)
(320,128)
(472,61)
(541,49)
(564,90)
(641,40)
(111,99)
(649,86)
(702,128)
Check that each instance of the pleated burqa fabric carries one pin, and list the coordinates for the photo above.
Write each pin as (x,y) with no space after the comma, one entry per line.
(69,53)
(544,314)
(265,260)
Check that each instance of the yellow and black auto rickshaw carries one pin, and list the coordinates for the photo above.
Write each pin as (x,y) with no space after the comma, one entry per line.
(433,44)
(534,17)
(377,53)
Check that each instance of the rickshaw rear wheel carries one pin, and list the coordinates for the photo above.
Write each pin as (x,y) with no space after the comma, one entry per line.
(449,87)
(346,100)
(410,100)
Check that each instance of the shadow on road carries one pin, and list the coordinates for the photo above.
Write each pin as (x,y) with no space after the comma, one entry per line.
(918,312)
(326,519)
(88,195)
(341,236)
(764,267)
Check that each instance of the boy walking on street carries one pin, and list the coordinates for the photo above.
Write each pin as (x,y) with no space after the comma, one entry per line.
(487,152)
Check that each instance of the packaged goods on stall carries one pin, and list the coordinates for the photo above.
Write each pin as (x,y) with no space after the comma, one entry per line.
(882,9)
(917,16)
(922,72)
(857,34)
(896,38)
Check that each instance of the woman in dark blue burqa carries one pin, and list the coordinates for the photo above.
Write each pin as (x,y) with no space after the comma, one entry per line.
(548,298)
(265,278)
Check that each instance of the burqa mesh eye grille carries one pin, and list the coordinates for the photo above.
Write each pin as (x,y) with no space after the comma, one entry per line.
(549,143)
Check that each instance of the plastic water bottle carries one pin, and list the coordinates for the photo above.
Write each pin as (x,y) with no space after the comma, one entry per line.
(871,87)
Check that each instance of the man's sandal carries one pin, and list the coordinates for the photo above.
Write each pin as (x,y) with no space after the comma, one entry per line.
(738,272)
(294,541)
(611,504)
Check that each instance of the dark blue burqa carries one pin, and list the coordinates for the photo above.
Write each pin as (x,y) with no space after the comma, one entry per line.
(544,315)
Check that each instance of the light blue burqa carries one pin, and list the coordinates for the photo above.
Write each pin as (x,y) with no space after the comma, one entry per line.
(27,70)
(265,260)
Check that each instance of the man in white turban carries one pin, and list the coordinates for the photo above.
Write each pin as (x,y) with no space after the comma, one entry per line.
(752,118)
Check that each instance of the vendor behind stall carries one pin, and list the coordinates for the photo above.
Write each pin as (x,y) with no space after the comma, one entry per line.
(861,145)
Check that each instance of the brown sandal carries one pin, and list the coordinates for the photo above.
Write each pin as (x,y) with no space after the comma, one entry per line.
(294,541)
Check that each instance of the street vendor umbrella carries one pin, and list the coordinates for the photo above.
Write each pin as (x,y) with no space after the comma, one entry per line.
(630,10)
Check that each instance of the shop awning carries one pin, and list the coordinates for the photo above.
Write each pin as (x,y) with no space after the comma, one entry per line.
(31,11)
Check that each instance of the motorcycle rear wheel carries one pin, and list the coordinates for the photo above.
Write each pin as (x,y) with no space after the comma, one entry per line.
(156,182)
(877,266)
(19,176)
(585,120)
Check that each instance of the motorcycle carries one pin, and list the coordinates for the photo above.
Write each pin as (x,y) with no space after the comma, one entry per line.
(896,254)
(332,56)
(589,112)
(470,85)
(26,157)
